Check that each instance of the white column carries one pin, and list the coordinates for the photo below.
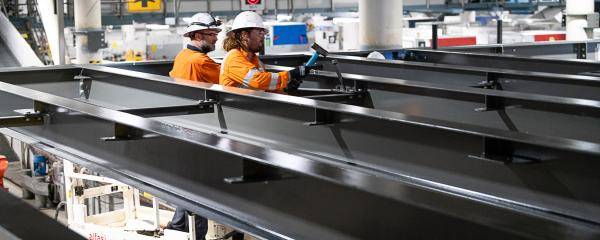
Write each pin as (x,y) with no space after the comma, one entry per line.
(87,17)
(380,24)
(51,13)
(576,11)
(67,171)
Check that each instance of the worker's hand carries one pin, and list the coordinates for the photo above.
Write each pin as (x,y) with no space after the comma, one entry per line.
(302,71)
(313,67)
(293,85)
(297,73)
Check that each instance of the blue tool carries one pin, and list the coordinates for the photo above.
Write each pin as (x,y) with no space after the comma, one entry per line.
(318,51)
(312,60)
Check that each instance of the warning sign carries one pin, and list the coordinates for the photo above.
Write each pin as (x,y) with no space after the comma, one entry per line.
(252,5)
(144,5)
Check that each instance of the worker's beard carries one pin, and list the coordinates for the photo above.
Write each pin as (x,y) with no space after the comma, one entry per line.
(206,47)
(259,47)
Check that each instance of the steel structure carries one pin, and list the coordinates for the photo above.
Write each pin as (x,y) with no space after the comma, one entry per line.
(393,148)
(557,50)
(555,57)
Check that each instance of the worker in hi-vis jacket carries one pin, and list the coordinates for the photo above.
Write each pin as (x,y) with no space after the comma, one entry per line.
(241,66)
(193,63)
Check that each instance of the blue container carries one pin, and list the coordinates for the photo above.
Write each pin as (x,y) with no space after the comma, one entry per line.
(39,165)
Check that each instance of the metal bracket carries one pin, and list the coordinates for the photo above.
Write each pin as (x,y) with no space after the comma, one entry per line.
(580,50)
(126,133)
(499,50)
(491,82)
(339,73)
(29,119)
(324,117)
(491,103)
(203,106)
(253,172)
(95,38)
(41,107)
(497,150)
(85,85)
(434,36)
(333,97)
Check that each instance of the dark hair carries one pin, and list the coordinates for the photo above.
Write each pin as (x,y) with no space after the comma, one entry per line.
(192,35)
(234,41)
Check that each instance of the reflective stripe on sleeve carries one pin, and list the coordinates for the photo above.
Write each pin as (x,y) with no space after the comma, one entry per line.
(274,80)
(249,76)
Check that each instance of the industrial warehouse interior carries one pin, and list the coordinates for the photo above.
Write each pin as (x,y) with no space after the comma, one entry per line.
(299,119)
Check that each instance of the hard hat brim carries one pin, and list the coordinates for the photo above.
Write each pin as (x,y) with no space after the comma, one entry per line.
(191,30)
(231,30)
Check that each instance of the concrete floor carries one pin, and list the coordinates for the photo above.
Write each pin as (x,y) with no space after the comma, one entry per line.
(16,190)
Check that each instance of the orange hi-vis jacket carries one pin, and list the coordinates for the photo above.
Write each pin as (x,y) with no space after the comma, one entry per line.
(243,69)
(191,64)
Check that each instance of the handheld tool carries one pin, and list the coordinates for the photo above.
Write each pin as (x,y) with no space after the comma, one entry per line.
(321,51)
(318,50)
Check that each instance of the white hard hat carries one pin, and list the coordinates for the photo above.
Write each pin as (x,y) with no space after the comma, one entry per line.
(201,21)
(247,19)
(376,55)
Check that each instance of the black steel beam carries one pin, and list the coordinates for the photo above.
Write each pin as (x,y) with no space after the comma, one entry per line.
(574,106)
(491,60)
(551,101)
(363,155)
(557,49)
(362,112)
(544,81)
(515,80)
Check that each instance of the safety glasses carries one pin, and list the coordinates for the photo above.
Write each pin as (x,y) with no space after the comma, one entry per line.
(210,34)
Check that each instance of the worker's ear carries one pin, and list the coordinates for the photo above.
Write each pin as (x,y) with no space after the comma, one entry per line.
(196,36)
(245,35)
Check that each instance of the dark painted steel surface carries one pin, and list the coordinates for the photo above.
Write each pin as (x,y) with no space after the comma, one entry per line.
(314,207)
(543,81)
(437,155)
(394,164)
(75,140)
(18,220)
(401,95)
(513,80)
(177,93)
(558,50)
(504,61)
